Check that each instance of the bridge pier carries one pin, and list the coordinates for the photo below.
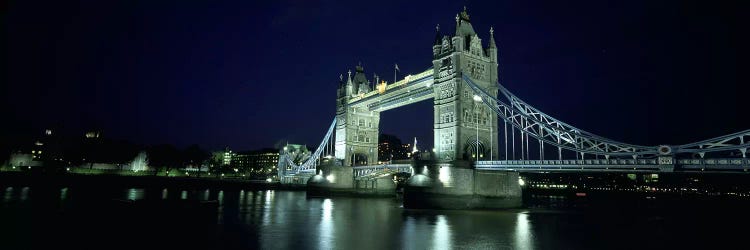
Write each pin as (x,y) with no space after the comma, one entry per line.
(331,180)
(382,186)
(458,185)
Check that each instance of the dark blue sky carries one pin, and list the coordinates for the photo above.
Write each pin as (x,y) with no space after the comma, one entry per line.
(249,74)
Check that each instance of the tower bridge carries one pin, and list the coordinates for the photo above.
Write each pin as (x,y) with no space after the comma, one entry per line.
(484,134)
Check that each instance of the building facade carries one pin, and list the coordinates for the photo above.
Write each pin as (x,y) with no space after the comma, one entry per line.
(257,162)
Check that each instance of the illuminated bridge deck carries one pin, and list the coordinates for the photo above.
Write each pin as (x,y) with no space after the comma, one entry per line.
(617,165)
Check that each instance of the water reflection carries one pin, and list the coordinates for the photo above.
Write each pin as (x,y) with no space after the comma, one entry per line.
(441,238)
(63,194)
(8,194)
(24,193)
(326,225)
(523,234)
(267,207)
(291,220)
(135,193)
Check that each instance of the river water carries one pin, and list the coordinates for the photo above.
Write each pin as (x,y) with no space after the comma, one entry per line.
(273,219)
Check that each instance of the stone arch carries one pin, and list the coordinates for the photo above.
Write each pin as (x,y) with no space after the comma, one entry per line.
(470,150)
(359,159)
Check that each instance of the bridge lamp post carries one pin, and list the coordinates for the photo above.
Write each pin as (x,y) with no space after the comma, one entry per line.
(477,99)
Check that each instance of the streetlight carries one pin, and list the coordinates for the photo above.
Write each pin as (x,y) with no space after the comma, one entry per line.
(476,107)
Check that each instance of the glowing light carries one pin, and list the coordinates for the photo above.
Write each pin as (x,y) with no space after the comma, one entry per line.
(67,169)
(382,87)
(330,178)
(521,182)
(269,180)
(444,175)
(477,98)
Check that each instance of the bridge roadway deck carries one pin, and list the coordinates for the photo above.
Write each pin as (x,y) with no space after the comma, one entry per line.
(413,88)
(618,165)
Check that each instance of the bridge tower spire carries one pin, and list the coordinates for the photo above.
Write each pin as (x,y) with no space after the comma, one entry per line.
(492,49)
(356,127)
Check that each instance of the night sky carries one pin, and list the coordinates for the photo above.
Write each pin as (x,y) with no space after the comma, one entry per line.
(253,74)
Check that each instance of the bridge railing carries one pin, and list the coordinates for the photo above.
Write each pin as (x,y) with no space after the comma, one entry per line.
(571,162)
(719,164)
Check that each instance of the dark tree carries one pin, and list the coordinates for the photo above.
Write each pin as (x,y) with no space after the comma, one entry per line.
(163,156)
(195,156)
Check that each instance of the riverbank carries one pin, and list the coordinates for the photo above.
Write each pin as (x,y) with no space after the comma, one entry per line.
(120,181)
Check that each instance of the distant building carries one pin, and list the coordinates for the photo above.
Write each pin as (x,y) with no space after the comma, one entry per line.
(44,148)
(390,148)
(223,157)
(23,160)
(93,134)
(263,161)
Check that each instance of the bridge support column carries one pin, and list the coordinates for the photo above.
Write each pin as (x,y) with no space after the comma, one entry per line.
(332,180)
(457,185)
(381,186)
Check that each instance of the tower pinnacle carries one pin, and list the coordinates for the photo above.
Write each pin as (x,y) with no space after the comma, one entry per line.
(492,38)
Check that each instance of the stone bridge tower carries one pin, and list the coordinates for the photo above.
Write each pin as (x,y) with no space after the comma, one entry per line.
(356,127)
(457,115)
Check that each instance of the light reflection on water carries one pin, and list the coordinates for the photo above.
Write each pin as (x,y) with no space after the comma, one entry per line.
(524,237)
(24,193)
(441,238)
(326,225)
(8,194)
(291,220)
(63,194)
(267,207)
(267,219)
(135,193)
